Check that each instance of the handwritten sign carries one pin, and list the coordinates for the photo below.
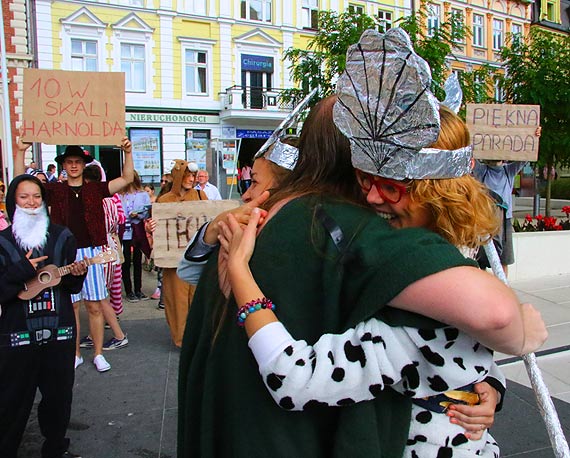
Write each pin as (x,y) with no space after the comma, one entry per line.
(504,132)
(178,222)
(73,108)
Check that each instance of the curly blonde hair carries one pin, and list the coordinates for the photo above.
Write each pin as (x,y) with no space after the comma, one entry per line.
(462,210)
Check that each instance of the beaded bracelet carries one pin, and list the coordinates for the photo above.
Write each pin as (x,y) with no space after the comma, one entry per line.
(253,306)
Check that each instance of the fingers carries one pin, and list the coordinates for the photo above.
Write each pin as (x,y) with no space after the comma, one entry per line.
(29,254)
(259,200)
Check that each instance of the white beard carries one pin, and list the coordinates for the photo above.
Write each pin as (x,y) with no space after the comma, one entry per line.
(30,227)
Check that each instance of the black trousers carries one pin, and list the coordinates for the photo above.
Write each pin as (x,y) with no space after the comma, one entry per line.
(126,267)
(49,368)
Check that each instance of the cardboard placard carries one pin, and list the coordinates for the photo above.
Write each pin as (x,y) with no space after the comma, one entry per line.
(504,132)
(73,108)
(176,224)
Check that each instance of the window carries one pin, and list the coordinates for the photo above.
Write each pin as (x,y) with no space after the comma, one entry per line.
(310,14)
(196,71)
(385,20)
(457,24)
(133,64)
(551,12)
(516,29)
(135,3)
(352,8)
(498,39)
(434,14)
(499,93)
(478,30)
(83,55)
(256,10)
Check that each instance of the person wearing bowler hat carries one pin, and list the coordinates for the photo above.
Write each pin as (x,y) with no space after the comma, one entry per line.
(79,206)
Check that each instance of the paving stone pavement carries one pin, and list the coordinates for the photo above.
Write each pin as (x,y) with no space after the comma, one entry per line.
(130,411)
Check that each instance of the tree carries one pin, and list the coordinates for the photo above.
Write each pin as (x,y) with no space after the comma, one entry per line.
(325,57)
(537,72)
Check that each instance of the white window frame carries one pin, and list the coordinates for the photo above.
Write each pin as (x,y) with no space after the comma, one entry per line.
(193,6)
(433,19)
(144,61)
(137,3)
(478,31)
(83,55)
(516,29)
(205,46)
(308,6)
(498,34)
(357,8)
(459,12)
(498,91)
(385,20)
(266,7)
(86,32)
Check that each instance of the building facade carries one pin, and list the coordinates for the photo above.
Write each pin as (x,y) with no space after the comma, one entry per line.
(205,76)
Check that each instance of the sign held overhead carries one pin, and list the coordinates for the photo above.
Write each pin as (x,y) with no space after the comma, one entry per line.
(73,108)
(504,132)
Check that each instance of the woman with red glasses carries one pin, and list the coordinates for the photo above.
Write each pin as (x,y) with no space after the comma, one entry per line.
(329,265)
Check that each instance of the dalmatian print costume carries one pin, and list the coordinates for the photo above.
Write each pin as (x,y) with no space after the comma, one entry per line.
(356,365)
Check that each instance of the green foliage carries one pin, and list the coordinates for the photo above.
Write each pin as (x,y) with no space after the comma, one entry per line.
(325,58)
(538,72)
(560,189)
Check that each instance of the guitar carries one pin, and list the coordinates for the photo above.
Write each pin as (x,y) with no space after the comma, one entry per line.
(50,275)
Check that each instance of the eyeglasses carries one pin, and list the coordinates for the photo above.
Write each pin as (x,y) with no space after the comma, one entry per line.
(390,191)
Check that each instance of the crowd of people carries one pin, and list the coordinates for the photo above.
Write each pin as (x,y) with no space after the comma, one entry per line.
(337,299)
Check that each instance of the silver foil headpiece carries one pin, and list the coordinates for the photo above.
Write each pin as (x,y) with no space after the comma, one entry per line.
(453,93)
(387,111)
(282,154)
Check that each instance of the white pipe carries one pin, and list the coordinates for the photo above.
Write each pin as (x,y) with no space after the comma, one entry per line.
(7,157)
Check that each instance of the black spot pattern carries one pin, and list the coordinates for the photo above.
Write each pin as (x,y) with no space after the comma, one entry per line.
(275,381)
(379,339)
(427,334)
(331,357)
(417,439)
(460,439)
(345,402)
(451,333)
(313,404)
(375,390)
(424,417)
(366,337)
(459,362)
(289,350)
(436,383)
(433,357)
(387,380)
(286,403)
(300,362)
(355,353)
(476,346)
(410,375)
(338,374)
(480,370)
(445,452)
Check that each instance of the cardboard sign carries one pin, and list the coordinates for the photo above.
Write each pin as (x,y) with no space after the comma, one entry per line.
(73,108)
(504,132)
(176,224)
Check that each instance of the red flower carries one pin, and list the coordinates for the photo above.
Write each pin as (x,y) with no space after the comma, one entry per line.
(558,227)
(566,209)
(528,218)
(539,217)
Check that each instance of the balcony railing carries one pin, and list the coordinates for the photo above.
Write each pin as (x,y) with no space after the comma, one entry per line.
(254,98)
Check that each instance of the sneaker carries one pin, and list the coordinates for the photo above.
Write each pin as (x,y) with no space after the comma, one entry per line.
(78,361)
(131,297)
(86,342)
(156,294)
(114,343)
(101,363)
(160,306)
(142,296)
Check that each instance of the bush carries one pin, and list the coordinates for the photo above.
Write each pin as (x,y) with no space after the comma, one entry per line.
(560,189)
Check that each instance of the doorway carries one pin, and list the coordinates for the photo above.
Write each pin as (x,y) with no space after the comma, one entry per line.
(111,160)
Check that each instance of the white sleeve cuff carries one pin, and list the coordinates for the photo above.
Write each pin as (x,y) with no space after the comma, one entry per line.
(200,248)
(268,342)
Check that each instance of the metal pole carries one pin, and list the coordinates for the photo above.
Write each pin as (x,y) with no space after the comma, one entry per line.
(544,401)
(7,157)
